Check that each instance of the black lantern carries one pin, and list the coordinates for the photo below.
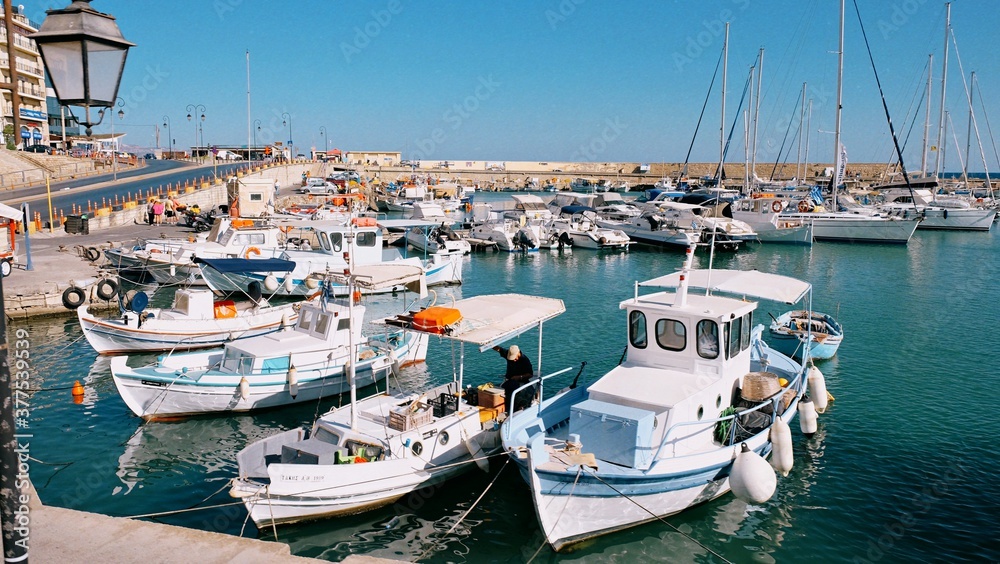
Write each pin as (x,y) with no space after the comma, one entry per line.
(84,53)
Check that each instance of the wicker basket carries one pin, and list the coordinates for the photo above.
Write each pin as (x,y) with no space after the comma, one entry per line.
(759,386)
(403,419)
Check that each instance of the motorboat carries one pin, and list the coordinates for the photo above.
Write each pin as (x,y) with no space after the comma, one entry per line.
(304,362)
(510,235)
(194,320)
(792,331)
(684,418)
(380,448)
(763,215)
(578,226)
(653,228)
(951,214)
(328,248)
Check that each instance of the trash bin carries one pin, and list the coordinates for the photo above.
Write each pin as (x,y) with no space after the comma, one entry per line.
(77,224)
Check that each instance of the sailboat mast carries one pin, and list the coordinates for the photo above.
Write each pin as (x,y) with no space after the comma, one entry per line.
(756,114)
(939,161)
(722,124)
(840,108)
(805,159)
(927,120)
(802,117)
(968,132)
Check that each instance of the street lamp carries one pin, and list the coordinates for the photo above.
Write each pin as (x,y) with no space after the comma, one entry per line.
(256,128)
(114,145)
(288,121)
(326,142)
(75,42)
(170,137)
(197,124)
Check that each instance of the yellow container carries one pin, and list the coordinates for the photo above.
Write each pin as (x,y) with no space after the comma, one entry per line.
(188,189)
(171,193)
(103,212)
(129,205)
(204,185)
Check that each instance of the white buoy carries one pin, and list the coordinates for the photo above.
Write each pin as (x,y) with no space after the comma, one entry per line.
(752,479)
(807,417)
(244,388)
(289,284)
(782,456)
(817,389)
(311,283)
(394,363)
(286,322)
(293,381)
(270,283)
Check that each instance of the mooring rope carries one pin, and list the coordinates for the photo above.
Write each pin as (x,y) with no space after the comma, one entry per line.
(545,541)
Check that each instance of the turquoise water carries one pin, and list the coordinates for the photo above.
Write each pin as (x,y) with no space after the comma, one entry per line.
(902,468)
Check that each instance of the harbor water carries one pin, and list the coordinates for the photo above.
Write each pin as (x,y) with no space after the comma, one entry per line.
(902,468)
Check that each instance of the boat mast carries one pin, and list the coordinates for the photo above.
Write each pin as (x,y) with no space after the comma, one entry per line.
(840,108)
(802,116)
(968,134)
(805,159)
(722,124)
(746,149)
(927,120)
(939,161)
(352,354)
(756,114)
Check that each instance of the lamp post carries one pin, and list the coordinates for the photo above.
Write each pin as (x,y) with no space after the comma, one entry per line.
(75,40)
(170,137)
(197,124)
(114,145)
(326,142)
(288,121)
(256,128)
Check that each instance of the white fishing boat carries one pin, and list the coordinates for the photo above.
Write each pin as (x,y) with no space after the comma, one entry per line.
(385,446)
(194,320)
(795,330)
(330,246)
(697,390)
(302,363)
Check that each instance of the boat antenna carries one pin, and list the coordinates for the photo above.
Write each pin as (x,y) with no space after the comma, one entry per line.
(682,287)
(351,352)
(885,107)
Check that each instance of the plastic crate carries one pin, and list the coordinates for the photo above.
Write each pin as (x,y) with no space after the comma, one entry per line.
(444,404)
(403,419)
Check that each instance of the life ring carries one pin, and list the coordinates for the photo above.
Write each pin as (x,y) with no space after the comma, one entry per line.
(107,289)
(93,254)
(251,251)
(776,206)
(73,297)
(804,206)
(338,201)
(468,207)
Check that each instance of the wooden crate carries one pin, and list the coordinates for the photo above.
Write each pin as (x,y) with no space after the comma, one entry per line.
(404,419)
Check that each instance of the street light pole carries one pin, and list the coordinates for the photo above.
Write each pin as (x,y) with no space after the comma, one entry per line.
(291,147)
(170,137)
(197,125)
(326,142)
(114,150)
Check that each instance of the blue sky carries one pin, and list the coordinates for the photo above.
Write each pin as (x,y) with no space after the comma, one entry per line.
(580,80)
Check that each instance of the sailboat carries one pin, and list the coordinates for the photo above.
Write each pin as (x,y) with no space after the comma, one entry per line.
(859,226)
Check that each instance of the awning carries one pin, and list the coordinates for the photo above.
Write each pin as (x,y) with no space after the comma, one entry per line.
(386,275)
(752,283)
(225,265)
(10,213)
(491,320)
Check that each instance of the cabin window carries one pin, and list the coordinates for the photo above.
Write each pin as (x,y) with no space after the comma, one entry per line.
(671,334)
(324,240)
(326,436)
(708,339)
(246,365)
(231,360)
(322,324)
(745,334)
(366,239)
(637,329)
(306,317)
(244,239)
(344,324)
(275,365)
(337,241)
(256,197)
(735,330)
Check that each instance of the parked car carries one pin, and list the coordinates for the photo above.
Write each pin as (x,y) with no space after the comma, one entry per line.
(149,157)
(38,149)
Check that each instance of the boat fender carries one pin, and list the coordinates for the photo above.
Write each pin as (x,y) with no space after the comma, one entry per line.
(285,321)
(107,289)
(752,479)
(603,240)
(94,254)
(782,457)
(311,283)
(244,388)
(807,417)
(270,282)
(817,389)
(288,284)
(73,297)
(293,381)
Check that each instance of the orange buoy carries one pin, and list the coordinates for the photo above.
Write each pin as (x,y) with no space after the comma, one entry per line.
(77,392)
(357,296)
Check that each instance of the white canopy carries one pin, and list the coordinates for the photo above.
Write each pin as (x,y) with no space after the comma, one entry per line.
(10,213)
(385,275)
(406,223)
(739,282)
(493,319)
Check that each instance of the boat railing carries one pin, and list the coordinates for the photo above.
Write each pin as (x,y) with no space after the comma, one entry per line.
(541,391)
(796,385)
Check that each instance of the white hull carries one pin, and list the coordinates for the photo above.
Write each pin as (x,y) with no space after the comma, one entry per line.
(857,228)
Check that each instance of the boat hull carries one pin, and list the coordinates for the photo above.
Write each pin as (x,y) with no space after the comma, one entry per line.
(849,228)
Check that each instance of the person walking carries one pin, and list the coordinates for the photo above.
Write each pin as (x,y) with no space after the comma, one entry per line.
(158,212)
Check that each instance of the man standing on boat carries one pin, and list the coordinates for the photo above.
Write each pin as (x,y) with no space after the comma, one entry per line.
(519,372)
